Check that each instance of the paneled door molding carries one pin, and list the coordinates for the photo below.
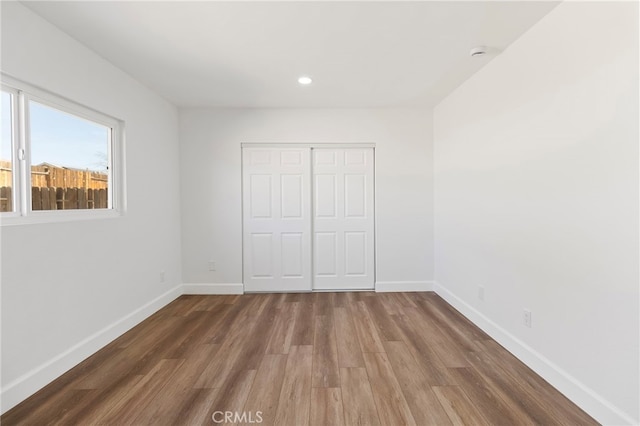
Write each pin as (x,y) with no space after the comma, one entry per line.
(276,197)
(343,221)
(308,217)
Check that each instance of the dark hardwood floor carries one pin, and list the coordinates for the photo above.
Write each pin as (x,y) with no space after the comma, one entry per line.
(297,359)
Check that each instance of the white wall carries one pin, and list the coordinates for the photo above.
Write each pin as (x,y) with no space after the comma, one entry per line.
(211,192)
(63,283)
(536,199)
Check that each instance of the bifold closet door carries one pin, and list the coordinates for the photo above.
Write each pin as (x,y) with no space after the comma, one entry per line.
(343,222)
(276,219)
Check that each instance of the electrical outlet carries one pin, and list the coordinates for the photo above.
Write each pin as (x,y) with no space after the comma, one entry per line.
(161,276)
(481,292)
(526,319)
(212,265)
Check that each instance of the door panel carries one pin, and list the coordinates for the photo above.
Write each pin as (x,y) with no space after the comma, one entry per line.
(324,157)
(325,196)
(260,193)
(262,254)
(292,196)
(343,209)
(291,249)
(355,190)
(325,254)
(355,247)
(291,158)
(276,219)
(355,157)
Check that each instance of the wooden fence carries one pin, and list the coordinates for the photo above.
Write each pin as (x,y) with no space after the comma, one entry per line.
(5,199)
(5,174)
(58,188)
(59,198)
(47,175)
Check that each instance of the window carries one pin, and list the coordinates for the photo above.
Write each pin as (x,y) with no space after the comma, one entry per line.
(6,153)
(58,159)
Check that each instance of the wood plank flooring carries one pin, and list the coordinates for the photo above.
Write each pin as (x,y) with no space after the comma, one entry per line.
(301,359)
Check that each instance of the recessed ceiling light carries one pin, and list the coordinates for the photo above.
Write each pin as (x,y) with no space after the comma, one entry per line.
(305,80)
(478,51)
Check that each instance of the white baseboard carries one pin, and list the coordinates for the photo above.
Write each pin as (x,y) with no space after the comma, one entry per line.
(31,382)
(395,286)
(583,396)
(213,288)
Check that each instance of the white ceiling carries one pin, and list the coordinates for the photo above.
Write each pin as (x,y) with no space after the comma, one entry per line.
(250,54)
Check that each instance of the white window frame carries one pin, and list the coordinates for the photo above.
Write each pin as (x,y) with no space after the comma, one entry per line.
(23,93)
(15,147)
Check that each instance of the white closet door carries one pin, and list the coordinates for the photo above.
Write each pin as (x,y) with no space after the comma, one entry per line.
(343,223)
(276,218)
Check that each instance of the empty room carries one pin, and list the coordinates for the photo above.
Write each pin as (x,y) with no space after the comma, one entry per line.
(320,213)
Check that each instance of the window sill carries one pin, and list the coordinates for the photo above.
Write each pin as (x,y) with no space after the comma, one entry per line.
(38,217)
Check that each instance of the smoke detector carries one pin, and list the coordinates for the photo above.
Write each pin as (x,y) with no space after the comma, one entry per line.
(478,51)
